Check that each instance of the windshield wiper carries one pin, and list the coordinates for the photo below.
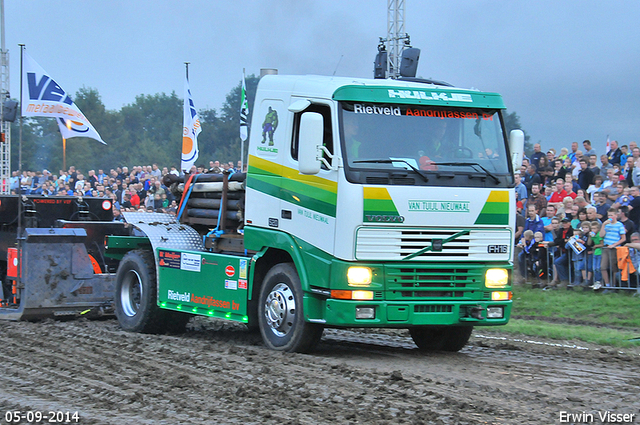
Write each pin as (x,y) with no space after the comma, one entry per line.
(390,161)
(470,164)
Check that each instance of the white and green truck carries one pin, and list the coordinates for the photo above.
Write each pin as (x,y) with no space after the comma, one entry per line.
(366,203)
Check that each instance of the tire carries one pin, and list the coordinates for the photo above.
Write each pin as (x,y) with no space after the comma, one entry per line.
(441,338)
(136,297)
(428,338)
(280,313)
(457,338)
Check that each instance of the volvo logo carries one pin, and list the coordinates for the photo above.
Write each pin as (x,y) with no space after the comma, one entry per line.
(385,218)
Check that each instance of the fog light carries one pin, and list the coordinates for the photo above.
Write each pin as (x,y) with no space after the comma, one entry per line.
(495,312)
(365,312)
(359,276)
(501,295)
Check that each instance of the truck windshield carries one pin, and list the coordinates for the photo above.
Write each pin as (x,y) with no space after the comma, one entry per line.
(431,139)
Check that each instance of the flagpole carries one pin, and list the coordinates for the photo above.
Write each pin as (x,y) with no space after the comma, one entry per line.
(186,74)
(241,139)
(21,114)
(19,232)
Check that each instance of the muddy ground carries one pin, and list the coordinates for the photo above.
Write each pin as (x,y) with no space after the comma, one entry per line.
(219,373)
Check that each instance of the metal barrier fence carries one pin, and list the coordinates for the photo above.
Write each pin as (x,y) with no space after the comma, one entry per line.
(543,266)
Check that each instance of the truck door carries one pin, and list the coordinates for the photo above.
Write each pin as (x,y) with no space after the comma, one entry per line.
(308,209)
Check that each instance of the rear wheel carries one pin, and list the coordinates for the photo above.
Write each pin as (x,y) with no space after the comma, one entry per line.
(441,338)
(136,297)
(280,312)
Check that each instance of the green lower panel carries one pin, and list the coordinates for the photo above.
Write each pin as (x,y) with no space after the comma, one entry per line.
(203,283)
(407,314)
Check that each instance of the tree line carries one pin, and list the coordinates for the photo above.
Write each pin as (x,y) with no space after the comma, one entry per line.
(144,132)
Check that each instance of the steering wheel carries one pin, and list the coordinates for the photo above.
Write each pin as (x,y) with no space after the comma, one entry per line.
(463,152)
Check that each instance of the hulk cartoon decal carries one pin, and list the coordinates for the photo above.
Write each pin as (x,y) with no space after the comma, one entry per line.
(269,125)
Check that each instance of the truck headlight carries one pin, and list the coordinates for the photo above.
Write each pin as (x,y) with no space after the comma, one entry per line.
(359,276)
(496,278)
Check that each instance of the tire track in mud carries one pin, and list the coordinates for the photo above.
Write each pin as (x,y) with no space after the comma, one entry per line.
(219,373)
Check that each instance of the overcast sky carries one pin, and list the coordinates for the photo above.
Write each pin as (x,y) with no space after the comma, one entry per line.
(570,69)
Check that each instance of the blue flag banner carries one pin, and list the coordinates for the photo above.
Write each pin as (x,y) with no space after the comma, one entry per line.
(42,96)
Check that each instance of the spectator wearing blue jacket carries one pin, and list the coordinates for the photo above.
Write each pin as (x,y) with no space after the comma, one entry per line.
(533,221)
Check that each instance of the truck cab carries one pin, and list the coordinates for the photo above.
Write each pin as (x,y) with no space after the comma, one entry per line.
(394,199)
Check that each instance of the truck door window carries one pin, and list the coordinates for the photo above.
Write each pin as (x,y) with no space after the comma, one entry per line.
(327,139)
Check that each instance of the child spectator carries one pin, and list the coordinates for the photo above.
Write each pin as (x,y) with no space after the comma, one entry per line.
(525,257)
(595,241)
(580,261)
(614,234)
(540,262)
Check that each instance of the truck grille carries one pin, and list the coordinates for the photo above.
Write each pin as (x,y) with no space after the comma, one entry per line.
(459,283)
(393,243)
(436,308)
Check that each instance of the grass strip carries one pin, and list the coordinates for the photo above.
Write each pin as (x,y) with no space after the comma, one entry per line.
(603,319)
(564,332)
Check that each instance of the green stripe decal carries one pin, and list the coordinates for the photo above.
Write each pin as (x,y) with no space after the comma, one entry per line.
(496,209)
(380,206)
(287,184)
(377,201)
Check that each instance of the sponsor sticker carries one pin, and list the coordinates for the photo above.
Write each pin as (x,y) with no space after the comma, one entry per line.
(169,259)
(243,269)
(191,262)
(229,271)
(231,284)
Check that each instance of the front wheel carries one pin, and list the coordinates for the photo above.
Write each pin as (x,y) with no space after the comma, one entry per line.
(441,338)
(280,312)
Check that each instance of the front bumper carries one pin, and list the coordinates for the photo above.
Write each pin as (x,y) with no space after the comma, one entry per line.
(342,313)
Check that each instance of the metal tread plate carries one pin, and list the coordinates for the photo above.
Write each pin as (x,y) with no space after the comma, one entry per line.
(164,232)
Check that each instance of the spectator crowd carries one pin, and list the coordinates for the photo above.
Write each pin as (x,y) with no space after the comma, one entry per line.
(578,218)
(139,188)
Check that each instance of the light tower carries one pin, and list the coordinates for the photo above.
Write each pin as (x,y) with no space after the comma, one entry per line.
(396,58)
(5,126)
(396,36)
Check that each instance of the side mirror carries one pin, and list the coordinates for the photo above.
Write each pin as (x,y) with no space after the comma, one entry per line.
(310,142)
(516,146)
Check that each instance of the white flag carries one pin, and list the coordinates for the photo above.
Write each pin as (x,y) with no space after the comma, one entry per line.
(190,131)
(244,112)
(43,97)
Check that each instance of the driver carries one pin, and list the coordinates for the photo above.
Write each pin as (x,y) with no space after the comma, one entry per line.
(435,144)
(350,132)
